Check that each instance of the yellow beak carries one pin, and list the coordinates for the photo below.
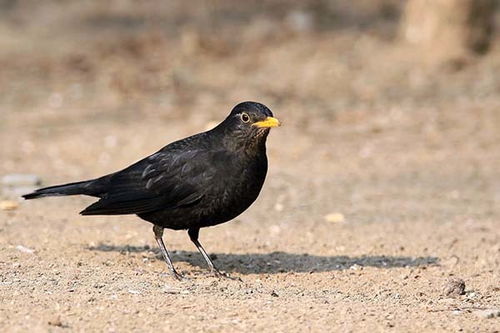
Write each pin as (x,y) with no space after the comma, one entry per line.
(268,122)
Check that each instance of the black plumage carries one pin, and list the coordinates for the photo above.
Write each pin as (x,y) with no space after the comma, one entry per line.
(202,180)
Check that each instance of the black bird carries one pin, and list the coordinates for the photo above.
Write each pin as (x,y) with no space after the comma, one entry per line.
(200,181)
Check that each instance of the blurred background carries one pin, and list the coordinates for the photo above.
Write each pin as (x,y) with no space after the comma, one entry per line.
(385,94)
(322,57)
(384,179)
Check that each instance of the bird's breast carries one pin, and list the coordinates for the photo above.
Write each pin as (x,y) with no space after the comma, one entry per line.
(235,189)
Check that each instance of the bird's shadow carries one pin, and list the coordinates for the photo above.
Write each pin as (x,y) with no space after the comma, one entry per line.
(279,262)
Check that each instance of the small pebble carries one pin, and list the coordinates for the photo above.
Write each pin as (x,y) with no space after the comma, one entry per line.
(171,290)
(25,249)
(335,218)
(8,205)
(55,322)
(454,287)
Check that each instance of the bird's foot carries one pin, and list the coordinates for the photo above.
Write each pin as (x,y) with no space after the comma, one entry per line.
(178,276)
(224,275)
(175,275)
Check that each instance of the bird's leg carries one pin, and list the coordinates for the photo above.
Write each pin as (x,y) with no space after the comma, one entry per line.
(193,235)
(158,236)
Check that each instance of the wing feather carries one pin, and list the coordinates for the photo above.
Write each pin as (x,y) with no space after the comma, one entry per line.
(164,180)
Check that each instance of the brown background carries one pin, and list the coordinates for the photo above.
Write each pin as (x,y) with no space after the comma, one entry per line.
(407,151)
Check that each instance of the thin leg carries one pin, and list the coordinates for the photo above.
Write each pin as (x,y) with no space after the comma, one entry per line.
(158,236)
(193,235)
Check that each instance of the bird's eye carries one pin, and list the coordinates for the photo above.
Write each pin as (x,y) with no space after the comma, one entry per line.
(245,118)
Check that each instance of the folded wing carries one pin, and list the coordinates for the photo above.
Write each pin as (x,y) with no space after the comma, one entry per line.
(167,179)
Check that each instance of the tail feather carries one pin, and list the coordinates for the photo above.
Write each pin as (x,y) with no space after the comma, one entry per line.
(83,187)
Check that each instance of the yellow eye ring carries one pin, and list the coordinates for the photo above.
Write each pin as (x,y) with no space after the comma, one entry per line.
(245,118)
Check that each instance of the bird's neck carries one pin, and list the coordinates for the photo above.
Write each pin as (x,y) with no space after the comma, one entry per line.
(244,145)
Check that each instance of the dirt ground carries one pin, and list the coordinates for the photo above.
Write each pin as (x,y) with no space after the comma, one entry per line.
(384,180)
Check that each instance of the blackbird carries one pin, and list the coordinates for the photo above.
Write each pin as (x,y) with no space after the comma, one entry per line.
(200,181)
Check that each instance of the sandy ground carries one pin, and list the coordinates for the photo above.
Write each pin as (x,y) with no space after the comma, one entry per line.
(383,185)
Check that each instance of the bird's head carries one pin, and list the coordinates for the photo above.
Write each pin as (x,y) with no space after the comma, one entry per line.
(248,124)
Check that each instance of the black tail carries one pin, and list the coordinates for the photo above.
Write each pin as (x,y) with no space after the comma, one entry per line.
(84,187)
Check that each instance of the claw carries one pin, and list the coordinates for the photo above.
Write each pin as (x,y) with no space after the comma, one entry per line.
(220,275)
(178,276)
